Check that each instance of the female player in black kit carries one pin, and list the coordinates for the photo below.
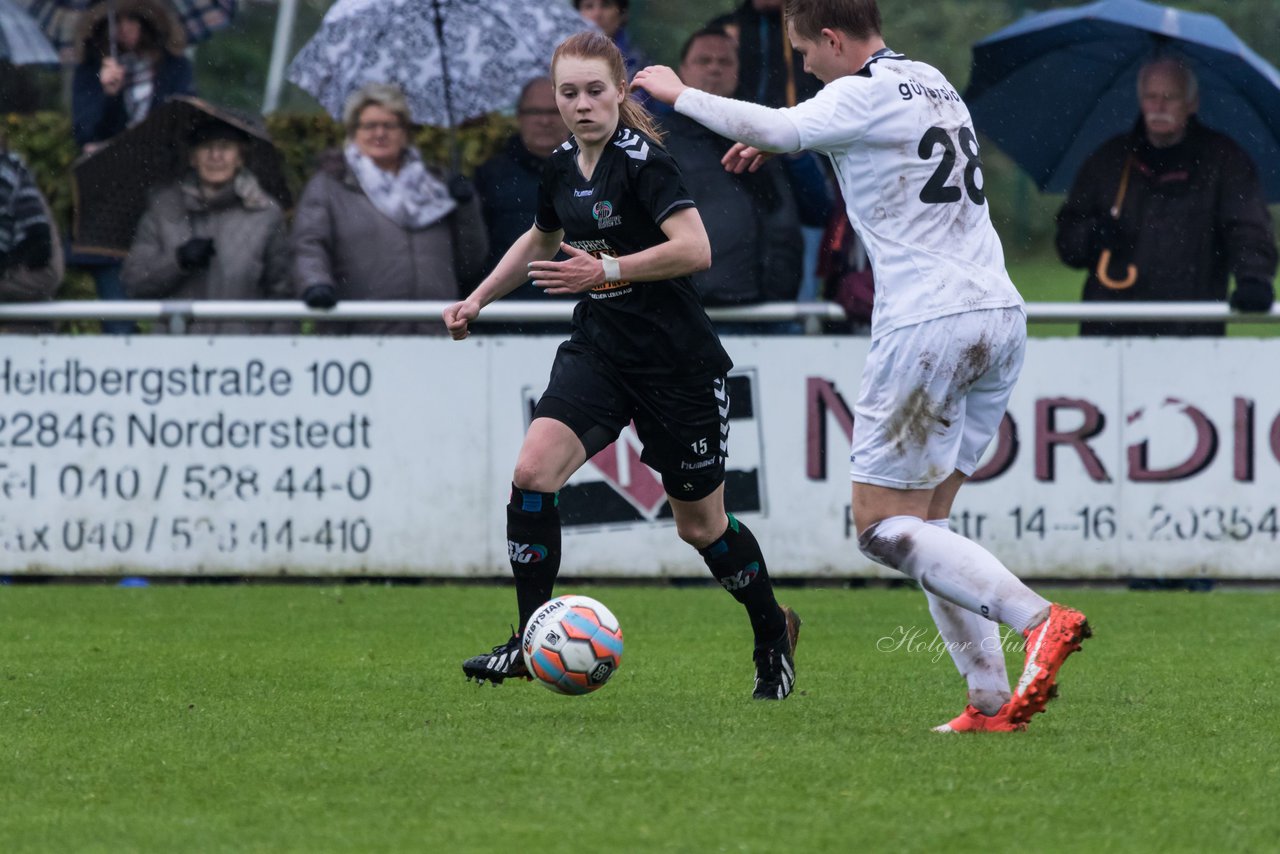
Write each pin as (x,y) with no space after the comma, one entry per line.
(641,349)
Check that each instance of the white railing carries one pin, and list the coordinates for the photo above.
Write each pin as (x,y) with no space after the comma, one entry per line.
(178,314)
(1194,312)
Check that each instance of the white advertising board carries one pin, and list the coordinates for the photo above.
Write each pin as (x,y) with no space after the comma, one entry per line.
(389,457)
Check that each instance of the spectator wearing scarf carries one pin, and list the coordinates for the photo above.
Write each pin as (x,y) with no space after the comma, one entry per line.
(377,223)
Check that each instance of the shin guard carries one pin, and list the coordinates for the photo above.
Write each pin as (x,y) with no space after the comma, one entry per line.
(533,547)
(737,563)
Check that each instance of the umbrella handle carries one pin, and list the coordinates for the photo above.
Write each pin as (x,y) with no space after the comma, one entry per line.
(1104,261)
(111,29)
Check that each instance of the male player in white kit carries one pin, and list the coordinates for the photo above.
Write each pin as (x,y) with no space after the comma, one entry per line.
(948,331)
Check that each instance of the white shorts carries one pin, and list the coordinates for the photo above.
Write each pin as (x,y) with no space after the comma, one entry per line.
(933,395)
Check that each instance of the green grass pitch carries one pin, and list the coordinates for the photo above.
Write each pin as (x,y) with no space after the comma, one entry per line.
(335,718)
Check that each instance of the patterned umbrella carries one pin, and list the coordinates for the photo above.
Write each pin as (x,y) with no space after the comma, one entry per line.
(455,59)
(60,19)
(111,185)
(21,41)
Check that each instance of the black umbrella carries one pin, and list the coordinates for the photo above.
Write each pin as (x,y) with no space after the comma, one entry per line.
(112,184)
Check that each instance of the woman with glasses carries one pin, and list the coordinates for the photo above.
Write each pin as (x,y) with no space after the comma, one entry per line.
(378,223)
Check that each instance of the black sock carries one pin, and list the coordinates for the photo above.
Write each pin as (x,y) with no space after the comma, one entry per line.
(736,562)
(533,547)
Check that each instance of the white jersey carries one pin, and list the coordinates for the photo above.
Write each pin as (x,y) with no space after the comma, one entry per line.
(906,157)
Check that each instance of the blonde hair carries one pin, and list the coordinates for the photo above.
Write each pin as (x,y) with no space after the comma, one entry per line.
(388,96)
(594,45)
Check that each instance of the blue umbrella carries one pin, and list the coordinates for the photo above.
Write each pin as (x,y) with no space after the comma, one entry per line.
(21,41)
(1054,86)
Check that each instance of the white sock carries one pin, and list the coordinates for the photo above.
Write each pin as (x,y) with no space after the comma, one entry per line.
(955,569)
(974,644)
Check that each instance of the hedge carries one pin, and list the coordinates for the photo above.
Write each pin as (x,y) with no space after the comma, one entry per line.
(45,143)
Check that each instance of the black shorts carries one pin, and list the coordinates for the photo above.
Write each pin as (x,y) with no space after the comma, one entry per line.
(683,427)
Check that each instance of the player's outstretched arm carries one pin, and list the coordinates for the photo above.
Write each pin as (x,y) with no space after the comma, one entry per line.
(511,272)
(686,250)
(763,128)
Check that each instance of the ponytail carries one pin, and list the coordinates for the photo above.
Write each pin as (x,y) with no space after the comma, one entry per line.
(633,114)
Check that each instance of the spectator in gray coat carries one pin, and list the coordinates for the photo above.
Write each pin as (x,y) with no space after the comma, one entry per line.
(376,223)
(213,235)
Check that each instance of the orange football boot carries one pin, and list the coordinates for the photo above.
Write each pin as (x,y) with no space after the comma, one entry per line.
(1048,645)
(973,720)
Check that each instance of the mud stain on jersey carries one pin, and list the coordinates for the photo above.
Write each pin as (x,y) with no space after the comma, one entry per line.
(959,228)
(928,361)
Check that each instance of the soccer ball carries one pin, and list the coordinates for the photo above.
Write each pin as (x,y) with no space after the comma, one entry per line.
(572,644)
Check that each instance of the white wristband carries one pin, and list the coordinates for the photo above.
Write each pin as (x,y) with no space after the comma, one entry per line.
(612,269)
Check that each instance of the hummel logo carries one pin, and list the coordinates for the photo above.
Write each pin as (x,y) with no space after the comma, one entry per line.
(635,146)
(582,194)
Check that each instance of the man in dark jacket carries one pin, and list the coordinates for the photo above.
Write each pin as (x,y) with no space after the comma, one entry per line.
(507,184)
(751,218)
(1167,212)
(771,73)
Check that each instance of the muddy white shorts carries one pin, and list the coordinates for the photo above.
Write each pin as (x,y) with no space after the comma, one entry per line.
(933,395)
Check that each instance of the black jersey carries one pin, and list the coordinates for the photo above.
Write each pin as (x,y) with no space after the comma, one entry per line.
(656,328)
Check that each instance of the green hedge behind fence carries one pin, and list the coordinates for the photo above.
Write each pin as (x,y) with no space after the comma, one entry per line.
(45,143)
(1022,215)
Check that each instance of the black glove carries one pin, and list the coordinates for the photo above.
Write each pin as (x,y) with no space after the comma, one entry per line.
(1253,295)
(196,253)
(461,188)
(320,296)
